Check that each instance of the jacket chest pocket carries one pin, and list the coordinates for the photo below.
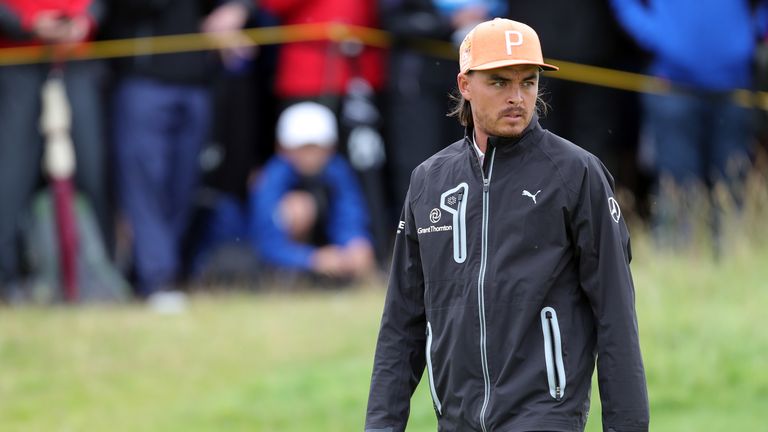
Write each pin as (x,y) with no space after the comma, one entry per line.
(454,202)
(442,232)
(553,353)
(544,227)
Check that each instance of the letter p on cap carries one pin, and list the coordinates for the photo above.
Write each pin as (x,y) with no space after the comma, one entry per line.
(514,38)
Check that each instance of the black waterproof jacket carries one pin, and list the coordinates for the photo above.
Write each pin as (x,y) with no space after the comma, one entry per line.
(507,282)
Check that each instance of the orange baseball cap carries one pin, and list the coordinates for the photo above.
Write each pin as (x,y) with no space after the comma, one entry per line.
(501,42)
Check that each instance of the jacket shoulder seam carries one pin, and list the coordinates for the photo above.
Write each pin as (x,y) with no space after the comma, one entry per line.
(435,161)
(550,135)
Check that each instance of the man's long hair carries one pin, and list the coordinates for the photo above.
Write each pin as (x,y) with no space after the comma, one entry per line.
(462,109)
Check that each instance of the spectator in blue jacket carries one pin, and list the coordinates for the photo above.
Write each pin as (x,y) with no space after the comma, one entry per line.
(761,64)
(696,132)
(307,210)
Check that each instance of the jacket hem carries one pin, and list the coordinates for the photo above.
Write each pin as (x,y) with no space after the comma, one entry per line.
(549,426)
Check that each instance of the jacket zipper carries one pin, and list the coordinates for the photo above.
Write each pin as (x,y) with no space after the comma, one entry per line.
(553,353)
(462,238)
(430,372)
(481,290)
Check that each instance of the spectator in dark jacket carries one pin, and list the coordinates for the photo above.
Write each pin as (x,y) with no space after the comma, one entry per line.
(56,22)
(160,120)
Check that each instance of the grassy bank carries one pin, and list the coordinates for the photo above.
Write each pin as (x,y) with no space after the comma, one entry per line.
(302,362)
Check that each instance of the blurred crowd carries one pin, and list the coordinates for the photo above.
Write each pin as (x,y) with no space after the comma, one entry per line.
(290,162)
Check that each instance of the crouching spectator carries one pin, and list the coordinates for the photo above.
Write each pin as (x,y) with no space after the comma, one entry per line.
(308,215)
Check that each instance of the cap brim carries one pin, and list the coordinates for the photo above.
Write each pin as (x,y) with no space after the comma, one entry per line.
(505,63)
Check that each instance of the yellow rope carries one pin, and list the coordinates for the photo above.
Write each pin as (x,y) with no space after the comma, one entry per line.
(575,72)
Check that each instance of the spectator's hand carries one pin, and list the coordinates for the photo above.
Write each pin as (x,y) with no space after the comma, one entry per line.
(360,259)
(76,29)
(54,28)
(227,17)
(49,26)
(330,261)
(223,26)
(465,19)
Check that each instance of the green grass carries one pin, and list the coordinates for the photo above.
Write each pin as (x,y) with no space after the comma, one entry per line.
(302,362)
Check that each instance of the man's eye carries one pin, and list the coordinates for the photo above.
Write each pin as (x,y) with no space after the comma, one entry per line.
(499,83)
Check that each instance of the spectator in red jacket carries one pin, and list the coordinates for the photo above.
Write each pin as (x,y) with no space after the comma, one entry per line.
(307,70)
(61,23)
(25,22)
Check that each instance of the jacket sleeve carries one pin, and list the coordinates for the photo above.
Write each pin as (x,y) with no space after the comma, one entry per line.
(11,25)
(400,357)
(602,247)
(761,19)
(409,19)
(638,20)
(97,11)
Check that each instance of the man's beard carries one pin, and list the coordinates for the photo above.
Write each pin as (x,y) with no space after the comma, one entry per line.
(500,131)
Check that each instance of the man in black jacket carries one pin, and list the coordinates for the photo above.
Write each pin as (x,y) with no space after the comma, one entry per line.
(511,268)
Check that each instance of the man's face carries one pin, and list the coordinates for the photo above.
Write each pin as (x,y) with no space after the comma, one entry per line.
(309,159)
(503,100)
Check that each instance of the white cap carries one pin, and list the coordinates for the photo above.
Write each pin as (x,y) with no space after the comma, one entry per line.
(306,123)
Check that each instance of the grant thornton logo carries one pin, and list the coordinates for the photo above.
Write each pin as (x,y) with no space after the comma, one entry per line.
(434,229)
(435,215)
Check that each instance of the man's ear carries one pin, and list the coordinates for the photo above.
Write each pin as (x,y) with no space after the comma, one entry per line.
(462,81)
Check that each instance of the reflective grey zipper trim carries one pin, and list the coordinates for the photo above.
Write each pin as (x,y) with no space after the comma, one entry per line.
(553,353)
(459,220)
(432,390)
(481,292)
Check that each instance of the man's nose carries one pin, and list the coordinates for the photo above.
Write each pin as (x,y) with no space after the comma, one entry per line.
(515,95)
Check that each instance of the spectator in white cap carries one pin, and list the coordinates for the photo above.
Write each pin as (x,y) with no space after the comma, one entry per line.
(308,212)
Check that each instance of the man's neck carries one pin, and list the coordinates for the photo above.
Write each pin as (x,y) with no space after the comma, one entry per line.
(481,140)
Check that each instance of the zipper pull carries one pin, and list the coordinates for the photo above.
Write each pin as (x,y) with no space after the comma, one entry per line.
(485,185)
(461,196)
(558,396)
(548,315)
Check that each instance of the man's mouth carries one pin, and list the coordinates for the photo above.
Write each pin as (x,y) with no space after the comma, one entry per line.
(513,113)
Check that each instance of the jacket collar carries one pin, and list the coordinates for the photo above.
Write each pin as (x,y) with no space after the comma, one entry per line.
(506,145)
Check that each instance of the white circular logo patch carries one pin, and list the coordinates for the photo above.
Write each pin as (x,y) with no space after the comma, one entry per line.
(614,208)
(435,215)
